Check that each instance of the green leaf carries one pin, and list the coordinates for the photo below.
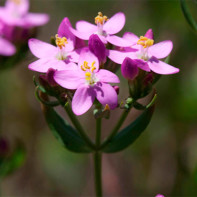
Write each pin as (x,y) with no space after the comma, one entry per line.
(129,134)
(188,15)
(13,162)
(64,132)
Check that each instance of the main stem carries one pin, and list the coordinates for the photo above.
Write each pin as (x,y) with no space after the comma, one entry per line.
(98,161)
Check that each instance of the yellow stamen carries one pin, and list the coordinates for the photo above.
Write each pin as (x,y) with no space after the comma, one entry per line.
(17,2)
(82,68)
(88,76)
(145,42)
(60,42)
(107,108)
(100,19)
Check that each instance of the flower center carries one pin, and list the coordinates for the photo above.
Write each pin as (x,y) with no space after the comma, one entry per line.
(17,2)
(145,43)
(89,73)
(61,42)
(100,21)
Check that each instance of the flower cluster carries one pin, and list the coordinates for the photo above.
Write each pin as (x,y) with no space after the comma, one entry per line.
(83,60)
(17,25)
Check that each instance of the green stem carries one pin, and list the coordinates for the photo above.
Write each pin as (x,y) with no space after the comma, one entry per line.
(97,174)
(116,128)
(98,132)
(78,126)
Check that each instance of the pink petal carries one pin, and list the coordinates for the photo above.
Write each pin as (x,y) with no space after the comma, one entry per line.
(70,79)
(88,56)
(63,31)
(22,8)
(107,76)
(33,20)
(149,34)
(130,37)
(129,68)
(115,23)
(42,65)
(84,26)
(106,94)
(83,99)
(6,48)
(81,35)
(42,49)
(161,49)
(74,55)
(118,57)
(161,67)
(142,64)
(118,41)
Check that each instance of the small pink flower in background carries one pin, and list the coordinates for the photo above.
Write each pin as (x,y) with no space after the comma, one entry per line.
(59,57)
(146,53)
(15,13)
(89,82)
(159,195)
(105,28)
(6,47)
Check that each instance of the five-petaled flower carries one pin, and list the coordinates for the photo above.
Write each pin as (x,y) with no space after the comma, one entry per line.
(89,82)
(57,57)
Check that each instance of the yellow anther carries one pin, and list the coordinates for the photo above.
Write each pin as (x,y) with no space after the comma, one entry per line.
(16,1)
(145,42)
(88,76)
(60,42)
(82,68)
(100,19)
(107,108)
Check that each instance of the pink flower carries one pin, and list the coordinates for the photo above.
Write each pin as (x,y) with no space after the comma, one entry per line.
(105,28)
(6,47)
(159,195)
(15,13)
(89,82)
(50,56)
(146,53)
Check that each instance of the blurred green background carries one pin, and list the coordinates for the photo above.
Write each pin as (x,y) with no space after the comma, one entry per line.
(163,160)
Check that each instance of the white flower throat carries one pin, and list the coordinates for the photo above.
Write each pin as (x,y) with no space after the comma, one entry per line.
(61,44)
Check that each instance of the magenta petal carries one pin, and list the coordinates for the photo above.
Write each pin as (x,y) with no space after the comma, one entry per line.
(115,23)
(107,76)
(42,65)
(83,99)
(6,48)
(63,31)
(118,57)
(161,49)
(130,37)
(84,26)
(129,68)
(42,49)
(32,19)
(142,64)
(81,35)
(118,41)
(161,67)
(106,94)
(74,55)
(149,34)
(88,56)
(70,79)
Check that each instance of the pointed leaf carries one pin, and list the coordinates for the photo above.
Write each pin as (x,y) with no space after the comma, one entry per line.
(64,132)
(129,134)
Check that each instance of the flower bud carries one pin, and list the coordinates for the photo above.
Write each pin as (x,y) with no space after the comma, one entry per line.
(149,34)
(97,47)
(129,68)
(116,88)
(50,74)
(148,79)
